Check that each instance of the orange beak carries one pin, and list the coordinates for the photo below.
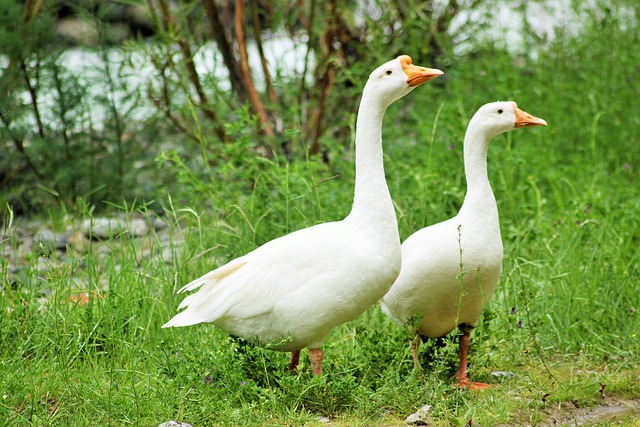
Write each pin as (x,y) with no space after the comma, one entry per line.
(525,119)
(417,75)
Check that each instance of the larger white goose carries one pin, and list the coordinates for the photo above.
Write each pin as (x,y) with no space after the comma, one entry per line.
(290,292)
(450,270)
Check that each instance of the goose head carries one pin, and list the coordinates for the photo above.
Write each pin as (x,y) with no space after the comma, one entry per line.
(500,117)
(396,78)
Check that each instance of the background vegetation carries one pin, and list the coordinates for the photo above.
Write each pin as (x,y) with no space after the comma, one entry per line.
(231,164)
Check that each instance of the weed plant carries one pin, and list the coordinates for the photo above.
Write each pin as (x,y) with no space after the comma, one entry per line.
(562,324)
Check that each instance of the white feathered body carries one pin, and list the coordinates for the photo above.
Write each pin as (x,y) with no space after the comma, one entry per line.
(450,270)
(289,293)
(434,286)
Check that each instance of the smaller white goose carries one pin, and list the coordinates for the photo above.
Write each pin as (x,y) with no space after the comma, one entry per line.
(290,292)
(450,270)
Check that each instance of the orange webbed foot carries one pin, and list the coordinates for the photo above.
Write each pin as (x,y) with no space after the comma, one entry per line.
(465,383)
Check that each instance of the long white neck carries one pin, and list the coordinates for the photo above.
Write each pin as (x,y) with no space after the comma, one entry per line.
(372,203)
(479,199)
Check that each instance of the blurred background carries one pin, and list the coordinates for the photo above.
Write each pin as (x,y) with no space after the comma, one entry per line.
(101,99)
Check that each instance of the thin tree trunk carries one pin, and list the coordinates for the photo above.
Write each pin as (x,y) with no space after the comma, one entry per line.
(32,9)
(327,76)
(327,83)
(220,36)
(62,104)
(33,94)
(189,64)
(245,71)
(263,60)
(310,36)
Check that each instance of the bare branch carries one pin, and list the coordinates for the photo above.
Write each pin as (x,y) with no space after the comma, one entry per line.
(19,144)
(327,83)
(164,105)
(263,60)
(219,34)
(310,36)
(189,64)
(245,71)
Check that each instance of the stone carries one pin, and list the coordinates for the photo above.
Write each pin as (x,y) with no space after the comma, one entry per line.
(159,224)
(79,242)
(138,227)
(49,240)
(174,424)
(105,228)
(502,374)
(422,417)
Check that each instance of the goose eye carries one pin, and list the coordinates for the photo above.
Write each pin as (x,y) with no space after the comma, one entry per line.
(389,72)
(500,111)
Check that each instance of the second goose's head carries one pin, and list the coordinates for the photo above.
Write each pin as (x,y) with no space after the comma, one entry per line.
(499,117)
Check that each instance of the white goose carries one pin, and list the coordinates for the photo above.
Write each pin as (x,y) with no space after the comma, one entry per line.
(432,286)
(290,292)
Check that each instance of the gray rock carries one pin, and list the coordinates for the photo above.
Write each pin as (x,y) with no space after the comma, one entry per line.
(105,228)
(422,417)
(79,242)
(174,424)
(49,240)
(138,227)
(159,224)
(502,374)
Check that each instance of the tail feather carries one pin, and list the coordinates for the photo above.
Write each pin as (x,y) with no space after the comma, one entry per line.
(186,318)
(214,275)
(198,307)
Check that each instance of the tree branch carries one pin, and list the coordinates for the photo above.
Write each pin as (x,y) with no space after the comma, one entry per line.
(263,60)
(189,64)
(220,36)
(19,144)
(245,71)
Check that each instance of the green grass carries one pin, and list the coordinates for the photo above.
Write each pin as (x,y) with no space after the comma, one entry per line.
(564,319)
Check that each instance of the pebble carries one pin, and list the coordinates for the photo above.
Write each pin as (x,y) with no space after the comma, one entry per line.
(174,424)
(422,417)
(49,240)
(502,374)
(31,250)
(106,228)
(79,242)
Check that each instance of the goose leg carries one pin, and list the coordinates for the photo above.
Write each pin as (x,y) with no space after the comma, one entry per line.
(315,356)
(415,345)
(294,361)
(462,380)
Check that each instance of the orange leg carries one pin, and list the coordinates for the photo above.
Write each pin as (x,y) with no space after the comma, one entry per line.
(294,361)
(462,380)
(315,356)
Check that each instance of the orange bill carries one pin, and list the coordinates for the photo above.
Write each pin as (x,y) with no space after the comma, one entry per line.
(417,75)
(525,119)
